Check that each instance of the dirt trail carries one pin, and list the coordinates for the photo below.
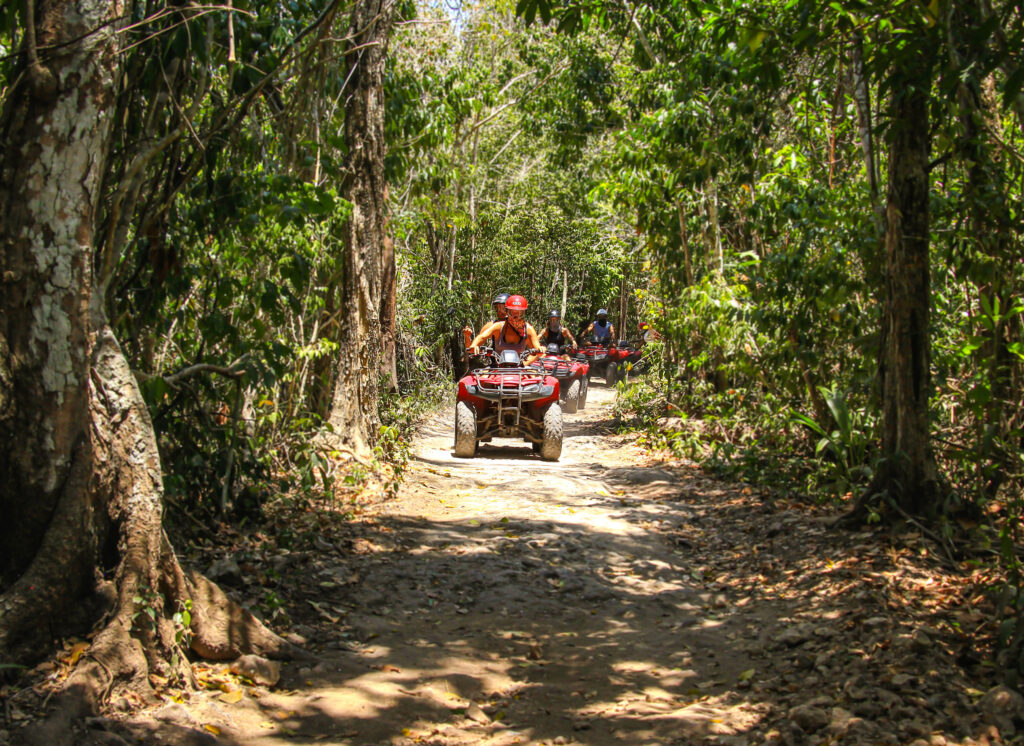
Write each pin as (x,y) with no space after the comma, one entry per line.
(602,599)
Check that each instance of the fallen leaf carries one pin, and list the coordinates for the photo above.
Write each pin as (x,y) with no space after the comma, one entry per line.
(747,675)
(231,697)
(212,728)
(76,652)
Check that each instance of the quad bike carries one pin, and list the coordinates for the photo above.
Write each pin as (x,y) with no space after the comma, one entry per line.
(571,375)
(601,364)
(507,399)
(624,355)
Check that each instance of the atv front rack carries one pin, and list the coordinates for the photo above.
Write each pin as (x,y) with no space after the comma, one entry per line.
(509,391)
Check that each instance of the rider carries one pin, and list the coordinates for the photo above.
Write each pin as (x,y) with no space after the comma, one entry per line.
(555,333)
(498,306)
(602,331)
(511,333)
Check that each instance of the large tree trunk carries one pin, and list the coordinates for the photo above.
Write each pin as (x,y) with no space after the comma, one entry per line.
(354,409)
(81,484)
(50,167)
(908,474)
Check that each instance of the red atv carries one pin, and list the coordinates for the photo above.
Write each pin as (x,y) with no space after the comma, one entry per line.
(571,375)
(506,399)
(600,363)
(624,356)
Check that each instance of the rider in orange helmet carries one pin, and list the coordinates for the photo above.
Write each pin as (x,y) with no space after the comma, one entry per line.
(511,333)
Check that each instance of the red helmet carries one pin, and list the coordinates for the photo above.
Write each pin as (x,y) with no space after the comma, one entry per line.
(515,303)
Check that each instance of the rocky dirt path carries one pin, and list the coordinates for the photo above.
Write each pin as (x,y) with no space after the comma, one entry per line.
(608,598)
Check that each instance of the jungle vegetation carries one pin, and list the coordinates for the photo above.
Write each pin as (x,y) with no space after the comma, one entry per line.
(239,242)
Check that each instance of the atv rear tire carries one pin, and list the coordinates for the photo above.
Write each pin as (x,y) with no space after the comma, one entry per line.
(572,398)
(465,430)
(611,374)
(584,387)
(551,448)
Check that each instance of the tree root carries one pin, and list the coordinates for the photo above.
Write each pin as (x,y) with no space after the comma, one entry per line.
(120,503)
(875,496)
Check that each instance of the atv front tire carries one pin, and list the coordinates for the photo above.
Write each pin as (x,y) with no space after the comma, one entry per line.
(551,447)
(584,387)
(611,374)
(572,398)
(465,430)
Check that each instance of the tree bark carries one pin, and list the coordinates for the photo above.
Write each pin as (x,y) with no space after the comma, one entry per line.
(716,255)
(862,97)
(685,243)
(908,474)
(52,155)
(389,312)
(367,287)
(451,256)
(81,485)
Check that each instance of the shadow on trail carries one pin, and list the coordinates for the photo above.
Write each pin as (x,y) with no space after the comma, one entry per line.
(562,630)
(694,615)
(521,601)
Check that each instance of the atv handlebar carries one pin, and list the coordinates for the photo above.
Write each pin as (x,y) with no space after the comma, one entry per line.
(490,354)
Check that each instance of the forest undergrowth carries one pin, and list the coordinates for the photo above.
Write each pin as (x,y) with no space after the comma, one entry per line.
(746,435)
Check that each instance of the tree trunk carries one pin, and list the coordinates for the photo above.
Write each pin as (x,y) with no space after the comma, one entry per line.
(389,312)
(52,148)
(451,256)
(685,242)
(624,293)
(862,97)
(565,292)
(354,408)
(81,485)
(908,474)
(716,254)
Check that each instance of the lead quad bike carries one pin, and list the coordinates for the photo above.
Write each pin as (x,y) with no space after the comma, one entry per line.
(507,399)
(600,363)
(571,375)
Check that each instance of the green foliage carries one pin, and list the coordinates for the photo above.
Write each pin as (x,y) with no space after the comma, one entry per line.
(698,165)
(845,442)
(148,605)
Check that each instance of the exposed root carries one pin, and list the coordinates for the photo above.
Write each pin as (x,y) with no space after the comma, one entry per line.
(221,629)
(138,634)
